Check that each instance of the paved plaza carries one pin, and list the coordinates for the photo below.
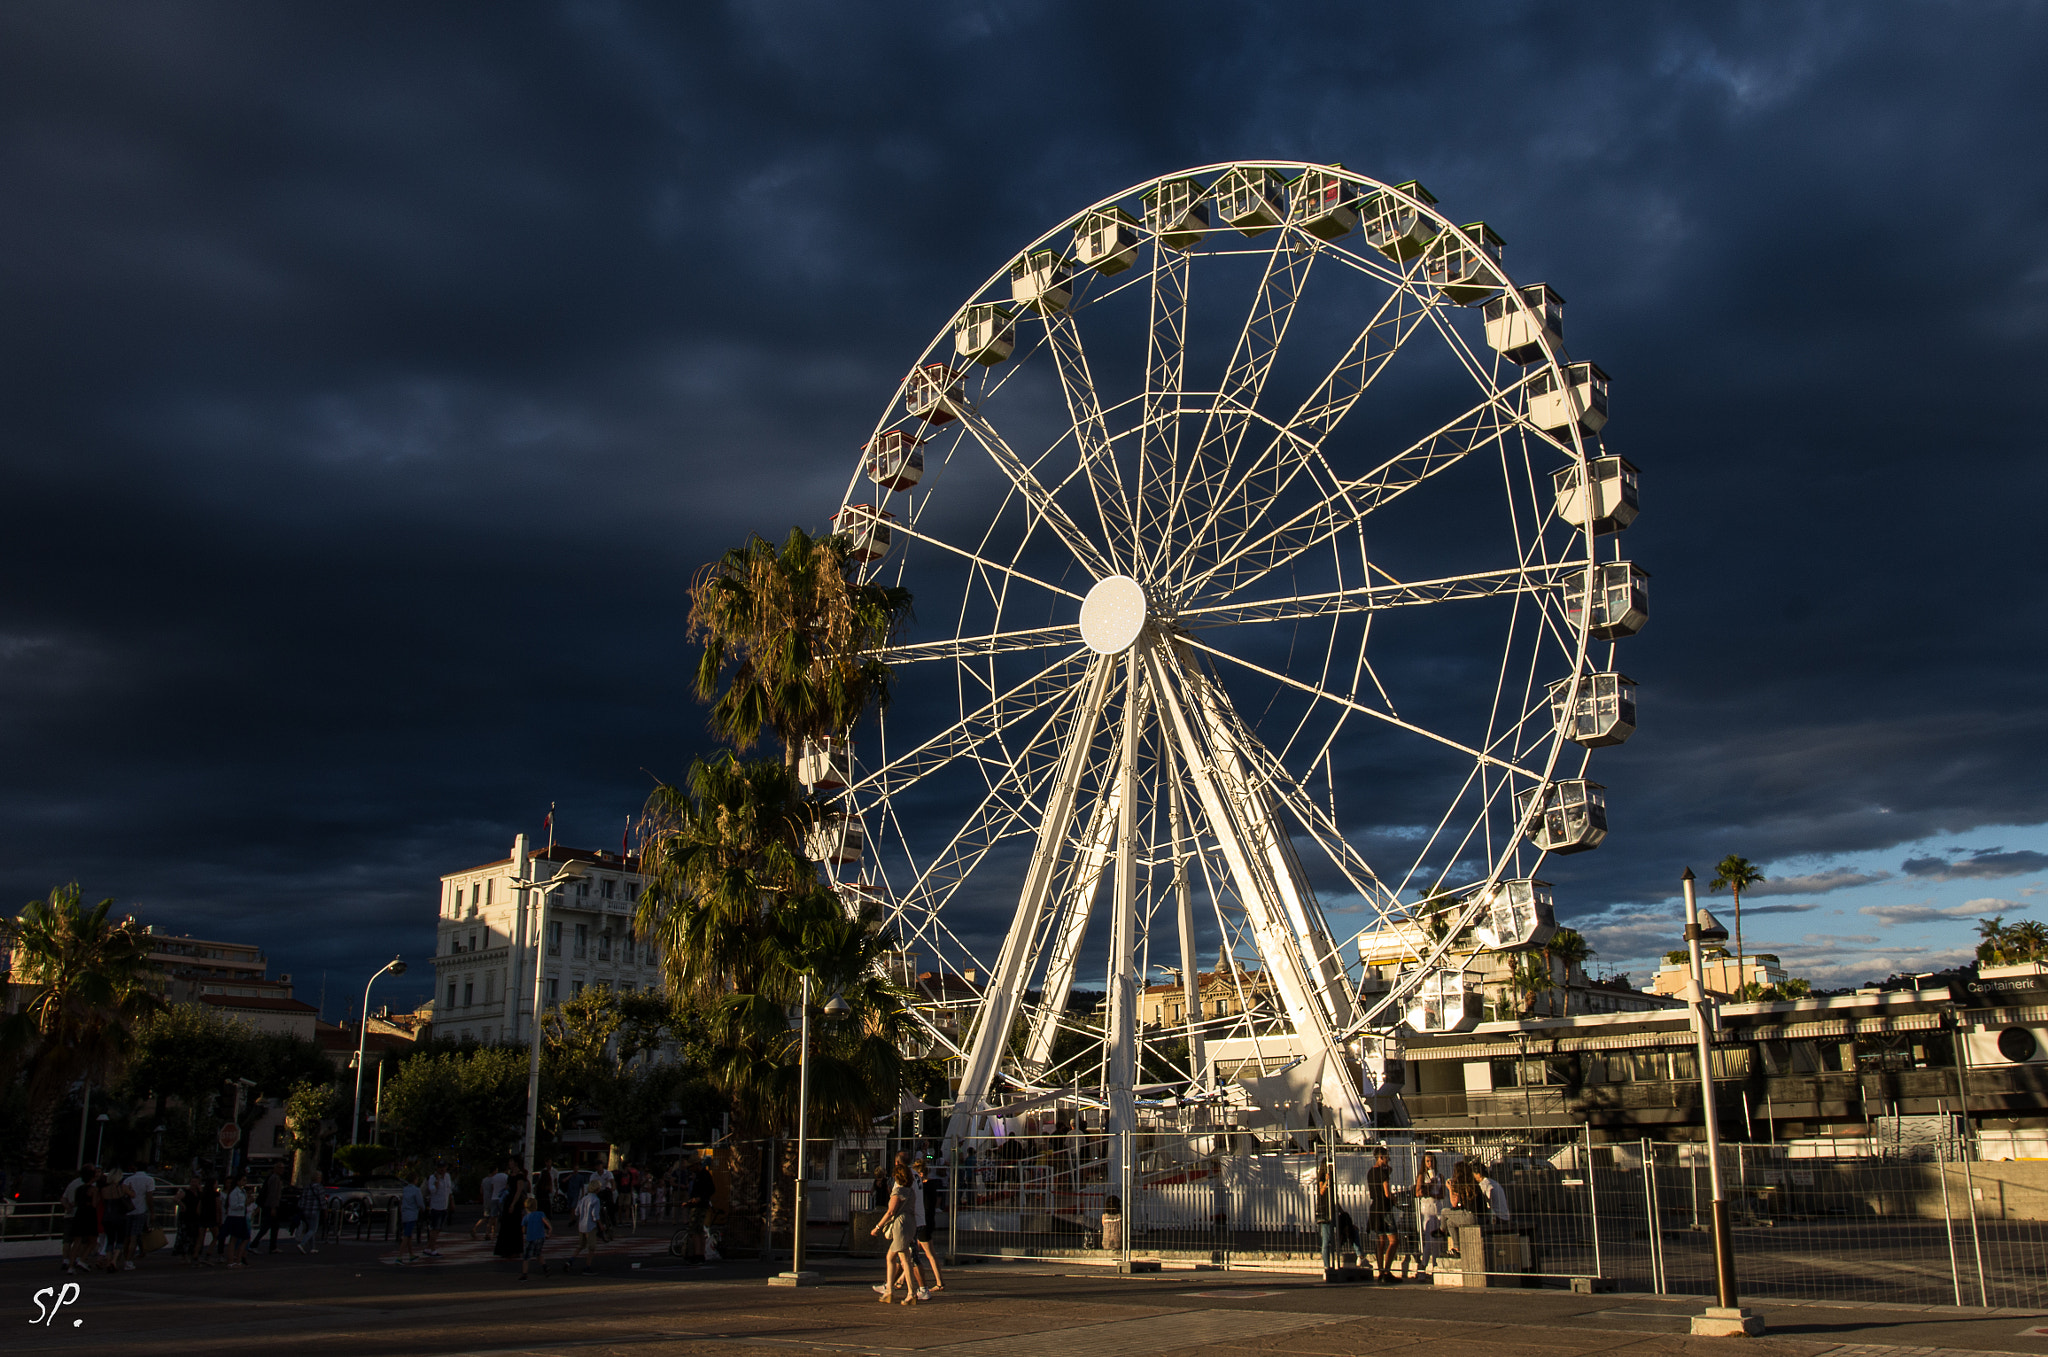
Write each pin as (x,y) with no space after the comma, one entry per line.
(354,1299)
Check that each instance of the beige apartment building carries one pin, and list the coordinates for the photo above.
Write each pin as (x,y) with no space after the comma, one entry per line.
(1721,975)
(484,947)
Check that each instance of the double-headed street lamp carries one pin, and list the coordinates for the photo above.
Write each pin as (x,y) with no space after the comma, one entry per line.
(567,872)
(355,1125)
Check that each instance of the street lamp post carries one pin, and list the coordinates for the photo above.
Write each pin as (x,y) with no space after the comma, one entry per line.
(99,1149)
(836,1008)
(567,872)
(355,1125)
(1724,1318)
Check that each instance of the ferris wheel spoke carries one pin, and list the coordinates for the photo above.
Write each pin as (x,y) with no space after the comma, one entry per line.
(1049,510)
(1244,381)
(1068,924)
(1353,704)
(1298,445)
(1536,578)
(1159,408)
(992,643)
(980,561)
(1048,685)
(1473,431)
(1091,434)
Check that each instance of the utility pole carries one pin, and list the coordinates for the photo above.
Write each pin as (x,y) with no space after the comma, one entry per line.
(1724,1318)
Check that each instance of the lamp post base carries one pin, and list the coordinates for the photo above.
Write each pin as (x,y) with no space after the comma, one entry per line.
(1726,1322)
(794,1279)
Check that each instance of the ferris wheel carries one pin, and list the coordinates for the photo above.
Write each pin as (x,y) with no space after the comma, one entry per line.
(1266,573)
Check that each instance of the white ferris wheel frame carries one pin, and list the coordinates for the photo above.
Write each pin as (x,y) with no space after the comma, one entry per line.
(1195,522)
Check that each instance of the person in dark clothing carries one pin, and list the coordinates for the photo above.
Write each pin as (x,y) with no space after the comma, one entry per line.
(511,1215)
(1379,1218)
(272,1197)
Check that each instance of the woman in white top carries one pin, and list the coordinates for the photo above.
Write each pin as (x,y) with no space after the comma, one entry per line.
(1429,1205)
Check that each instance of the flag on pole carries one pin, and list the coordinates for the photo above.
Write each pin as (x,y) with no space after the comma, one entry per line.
(549,824)
(625,835)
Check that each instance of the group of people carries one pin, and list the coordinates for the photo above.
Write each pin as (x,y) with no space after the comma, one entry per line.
(107,1218)
(905,1228)
(1469,1190)
(516,1209)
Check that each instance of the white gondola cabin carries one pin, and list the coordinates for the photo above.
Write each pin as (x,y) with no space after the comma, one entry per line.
(1580,400)
(1521,333)
(1324,204)
(1396,224)
(1621,600)
(1042,280)
(1252,200)
(895,460)
(1612,500)
(1464,264)
(1519,916)
(1177,211)
(1604,714)
(867,528)
(1437,1003)
(1106,240)
(836,839)
(985,333)
(933,394)
(1572,818)
(825,764)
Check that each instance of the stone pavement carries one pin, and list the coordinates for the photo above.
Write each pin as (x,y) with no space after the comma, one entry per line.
(349,1301)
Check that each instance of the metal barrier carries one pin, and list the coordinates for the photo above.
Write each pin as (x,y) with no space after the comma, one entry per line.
(1921,1224)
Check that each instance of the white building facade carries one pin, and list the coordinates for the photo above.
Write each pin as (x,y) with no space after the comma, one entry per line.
(484,950)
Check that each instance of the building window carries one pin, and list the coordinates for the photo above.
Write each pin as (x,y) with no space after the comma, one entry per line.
(575,988)
(626,988)
(554,989)
(468,993)
(632,890)
(610,886)
(451,994)
(490,992)
(583,889)
(582,941)
(647,954)
(554,937)
(604,945)
(487,1036)
(487,897)
(472,939)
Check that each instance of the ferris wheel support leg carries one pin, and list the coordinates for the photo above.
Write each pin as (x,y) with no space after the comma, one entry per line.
(1184,903)
(1123,951)
(1006,982)
(1279,948)
(1083,885)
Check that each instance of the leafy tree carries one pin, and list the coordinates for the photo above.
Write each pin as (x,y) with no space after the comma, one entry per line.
(86,984)
(468,1104)
(1736,875)
(2009,944)
(789,640)
(1529,978)
(310,1112)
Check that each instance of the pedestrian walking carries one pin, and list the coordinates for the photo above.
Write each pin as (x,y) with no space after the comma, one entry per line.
(537,1229)
(1326,1216)
(510,1241)
(141,1192)
(1379,1213)
(189,1230)
(440,1201)
(898,1229)
(234,1224)
(272,1199)
(209,1222)
(927,1214)
(588,1212)
(116,1202)
(697,1202)
(412,1204)
(82,1229)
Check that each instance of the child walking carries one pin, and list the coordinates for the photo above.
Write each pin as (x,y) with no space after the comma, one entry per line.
(537,1231)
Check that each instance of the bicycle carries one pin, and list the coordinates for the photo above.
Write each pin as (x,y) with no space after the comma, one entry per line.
(679,1242)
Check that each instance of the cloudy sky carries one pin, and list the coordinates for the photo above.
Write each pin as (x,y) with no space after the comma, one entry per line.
(376,376)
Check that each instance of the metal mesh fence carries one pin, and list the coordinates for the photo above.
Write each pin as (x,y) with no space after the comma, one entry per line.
(1921,1224)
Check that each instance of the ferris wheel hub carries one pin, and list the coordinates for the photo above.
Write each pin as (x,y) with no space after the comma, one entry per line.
(1113,614)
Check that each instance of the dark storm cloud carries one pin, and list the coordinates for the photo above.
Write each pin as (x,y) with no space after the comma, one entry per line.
(376,379)
(1987,863)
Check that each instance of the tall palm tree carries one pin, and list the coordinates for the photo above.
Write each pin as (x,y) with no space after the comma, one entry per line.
(789,640)
(1737,875)
(1569,946)
(2029,939)
(89,983)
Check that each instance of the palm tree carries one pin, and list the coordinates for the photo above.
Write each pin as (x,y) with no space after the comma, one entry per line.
(1529,977)
(1738,875)
(89,983)
(2029,939)
(790,640)
(1569,946)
